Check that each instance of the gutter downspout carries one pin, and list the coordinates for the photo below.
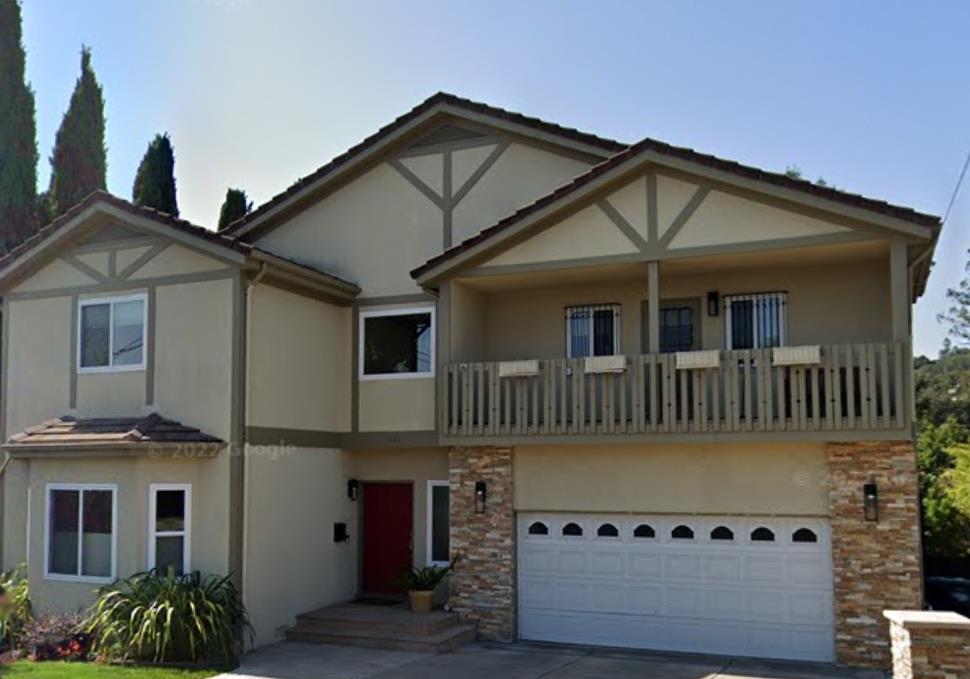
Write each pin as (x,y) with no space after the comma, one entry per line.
(247,333)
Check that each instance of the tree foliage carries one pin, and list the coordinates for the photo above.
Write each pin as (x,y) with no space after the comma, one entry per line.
(943,450)
(79,162)
(236,206)
(958,315)
(154,185)
(18,134)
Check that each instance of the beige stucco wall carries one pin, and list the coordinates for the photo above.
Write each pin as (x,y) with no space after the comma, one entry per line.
(294,496)
(299,362)
(372,231)
(209,527)
(292,565)
(192,341)
(761,478)
(520,175)
(397,404)
(824,304)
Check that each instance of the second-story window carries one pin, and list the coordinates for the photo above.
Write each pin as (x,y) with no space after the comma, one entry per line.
(756,321)
(592,330)
(397,343)
(112,333)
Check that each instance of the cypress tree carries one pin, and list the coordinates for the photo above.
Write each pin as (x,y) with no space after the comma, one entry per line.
(79,163)
(155,180)
(18,134)
(235,206)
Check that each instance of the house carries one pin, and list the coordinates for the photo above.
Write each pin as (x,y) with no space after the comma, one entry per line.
(651,397)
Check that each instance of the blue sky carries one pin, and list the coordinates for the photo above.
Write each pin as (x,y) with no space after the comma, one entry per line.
(873,96)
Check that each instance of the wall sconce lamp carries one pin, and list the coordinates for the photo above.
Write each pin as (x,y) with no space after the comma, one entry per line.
(870,499)
(353,490)
(480,497)
(713,303)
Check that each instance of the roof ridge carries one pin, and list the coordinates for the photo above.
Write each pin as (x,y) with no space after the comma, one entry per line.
(439,97)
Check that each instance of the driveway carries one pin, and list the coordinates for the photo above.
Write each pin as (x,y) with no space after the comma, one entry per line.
(518,661)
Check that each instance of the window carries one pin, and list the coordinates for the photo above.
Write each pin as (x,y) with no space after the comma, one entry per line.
(439,549)
(169,516)
(397,344)
(682,533)
(676,329)
(81,530)
(538,528)
(722,533)
(644,531)
(111,334)
(592,330)
(756,321)
(804,535)
(762,534)
(607,530)
(572,529)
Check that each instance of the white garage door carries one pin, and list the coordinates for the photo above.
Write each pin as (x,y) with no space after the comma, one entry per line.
(724,585)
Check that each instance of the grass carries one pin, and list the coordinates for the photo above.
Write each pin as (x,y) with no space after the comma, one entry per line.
(61,670)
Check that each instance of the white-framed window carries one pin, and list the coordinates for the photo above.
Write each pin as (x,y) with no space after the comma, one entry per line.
(170,527)
(756,321)
(592,330)
(438,523)
(112,333)
(81,533)
(397,343)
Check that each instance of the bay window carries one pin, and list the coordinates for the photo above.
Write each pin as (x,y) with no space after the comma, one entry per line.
(169,516)
(81,532)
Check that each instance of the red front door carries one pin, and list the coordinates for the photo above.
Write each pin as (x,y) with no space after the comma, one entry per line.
(387,535)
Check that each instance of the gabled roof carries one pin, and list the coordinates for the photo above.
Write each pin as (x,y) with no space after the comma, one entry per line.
(108,433)
(443,103)
(660,151)
(234,248)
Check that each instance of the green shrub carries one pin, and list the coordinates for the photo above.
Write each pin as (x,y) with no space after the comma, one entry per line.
(14,620)
(424,579)
(168,618)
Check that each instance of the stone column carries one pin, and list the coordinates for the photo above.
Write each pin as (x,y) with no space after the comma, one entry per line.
(482,587)
(929,644)
(877,564)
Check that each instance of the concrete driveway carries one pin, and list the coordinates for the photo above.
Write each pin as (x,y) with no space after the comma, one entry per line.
(519,661)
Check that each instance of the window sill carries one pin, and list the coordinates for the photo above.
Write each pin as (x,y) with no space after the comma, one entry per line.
(396,376)
(80,579)
(110,369)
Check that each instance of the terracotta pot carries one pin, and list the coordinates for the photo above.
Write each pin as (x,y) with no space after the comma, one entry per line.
(422,602)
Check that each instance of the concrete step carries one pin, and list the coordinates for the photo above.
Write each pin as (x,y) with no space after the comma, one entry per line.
(392,619)
(329,633)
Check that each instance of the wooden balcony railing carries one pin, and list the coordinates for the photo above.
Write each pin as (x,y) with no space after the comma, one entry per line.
(859,387)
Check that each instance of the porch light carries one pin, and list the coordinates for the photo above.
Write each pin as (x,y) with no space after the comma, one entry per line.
(479,497)
(713,303)
(870,493)
(353,490)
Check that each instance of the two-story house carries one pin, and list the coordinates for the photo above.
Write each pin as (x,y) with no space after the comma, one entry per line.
(652,398)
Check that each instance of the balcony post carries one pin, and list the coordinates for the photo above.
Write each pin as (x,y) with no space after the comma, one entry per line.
(899,288)
(653,307)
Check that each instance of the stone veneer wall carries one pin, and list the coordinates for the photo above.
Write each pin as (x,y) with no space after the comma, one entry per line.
(877,564)
(482,587)
(929,645)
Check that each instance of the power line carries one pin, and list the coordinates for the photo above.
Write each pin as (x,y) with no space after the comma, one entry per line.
(956,189)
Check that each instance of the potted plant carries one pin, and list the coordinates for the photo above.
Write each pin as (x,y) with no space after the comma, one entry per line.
(420,584)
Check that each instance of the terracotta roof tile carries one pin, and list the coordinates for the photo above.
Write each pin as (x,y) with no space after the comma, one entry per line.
(151,429)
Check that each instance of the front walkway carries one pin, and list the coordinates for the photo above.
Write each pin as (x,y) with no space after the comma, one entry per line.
(518,661)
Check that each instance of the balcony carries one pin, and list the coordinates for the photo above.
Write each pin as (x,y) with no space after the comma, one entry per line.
(846,390)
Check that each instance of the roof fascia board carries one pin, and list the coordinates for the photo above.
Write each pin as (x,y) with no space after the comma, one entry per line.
(658,161)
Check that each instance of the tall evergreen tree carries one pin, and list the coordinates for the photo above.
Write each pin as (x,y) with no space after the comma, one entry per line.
(235,206)
(79,163)
(18,134)
(155,180)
